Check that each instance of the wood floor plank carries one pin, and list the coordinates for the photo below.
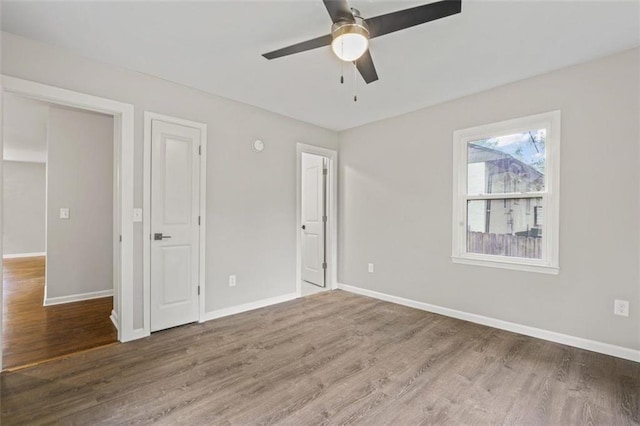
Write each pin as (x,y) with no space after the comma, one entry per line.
(331,358)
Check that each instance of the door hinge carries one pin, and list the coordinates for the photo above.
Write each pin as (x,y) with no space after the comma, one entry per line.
(120,238)
(324,265)
(324,218)
(198,290)
(325,171)
(198,220)
(199,149)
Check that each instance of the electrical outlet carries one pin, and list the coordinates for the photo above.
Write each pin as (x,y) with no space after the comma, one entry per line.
(371,268)
(621,307)
(232,280)
(64,213)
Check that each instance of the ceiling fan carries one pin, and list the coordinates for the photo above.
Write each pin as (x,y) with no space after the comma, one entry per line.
(350,33)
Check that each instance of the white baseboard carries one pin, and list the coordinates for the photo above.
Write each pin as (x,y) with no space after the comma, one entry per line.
(114,319)
(565,339)
(19,255)
(248,307)
(77,297)
(136,333)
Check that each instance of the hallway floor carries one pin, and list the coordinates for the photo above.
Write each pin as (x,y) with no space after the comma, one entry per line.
(32,333)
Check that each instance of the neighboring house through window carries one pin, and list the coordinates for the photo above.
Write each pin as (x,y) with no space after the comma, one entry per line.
(506,188)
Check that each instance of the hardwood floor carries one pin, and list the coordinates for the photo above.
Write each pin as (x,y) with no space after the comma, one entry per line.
(32,332)
(331,358)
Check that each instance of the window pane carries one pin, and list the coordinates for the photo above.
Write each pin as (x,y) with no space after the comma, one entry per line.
(505,164)
(506,227)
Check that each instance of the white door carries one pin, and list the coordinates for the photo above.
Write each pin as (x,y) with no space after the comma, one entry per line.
(175,206)
(314,218)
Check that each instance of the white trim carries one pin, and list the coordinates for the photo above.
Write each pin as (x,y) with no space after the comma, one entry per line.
(202,282)
(549,264)
(124,169)
(114,319)
(248,307)
(146,213)
(24,156)
(552,336)
(502,263)
(77,297)
(19,255)
(146,226)
(332,234)
(138,333)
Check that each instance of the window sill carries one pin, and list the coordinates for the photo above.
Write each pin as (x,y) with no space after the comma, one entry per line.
(517,266)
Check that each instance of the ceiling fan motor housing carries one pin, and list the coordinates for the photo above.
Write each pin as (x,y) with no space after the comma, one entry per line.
(344,27)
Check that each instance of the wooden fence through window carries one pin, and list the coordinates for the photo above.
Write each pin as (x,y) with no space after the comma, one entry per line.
(504,245)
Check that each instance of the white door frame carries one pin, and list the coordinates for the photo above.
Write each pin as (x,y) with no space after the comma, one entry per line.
(123,190)
(146,226)
(331,279)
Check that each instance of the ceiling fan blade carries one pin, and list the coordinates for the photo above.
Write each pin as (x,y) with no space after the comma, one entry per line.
(395,21)
(366,67)
(300,47)
(339,10)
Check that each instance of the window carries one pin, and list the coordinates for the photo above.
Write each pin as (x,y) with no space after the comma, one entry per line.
(505,201)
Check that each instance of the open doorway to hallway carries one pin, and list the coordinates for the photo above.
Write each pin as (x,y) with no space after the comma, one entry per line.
(58,245)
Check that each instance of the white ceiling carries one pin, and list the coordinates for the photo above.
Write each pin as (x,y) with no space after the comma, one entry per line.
(217,47)
(25,129)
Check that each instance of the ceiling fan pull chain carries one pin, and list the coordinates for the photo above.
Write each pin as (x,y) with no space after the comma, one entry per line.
(355,82)
(341,72)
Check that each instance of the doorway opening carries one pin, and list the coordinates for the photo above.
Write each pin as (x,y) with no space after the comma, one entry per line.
(76,293)
(316,263)
(58,236)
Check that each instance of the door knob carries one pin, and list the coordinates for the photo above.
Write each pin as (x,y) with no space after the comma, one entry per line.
(159,236)
(304,227)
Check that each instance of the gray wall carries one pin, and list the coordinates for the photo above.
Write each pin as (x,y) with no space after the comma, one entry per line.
(251,223)
(396,197)
(23,207)
(79,177)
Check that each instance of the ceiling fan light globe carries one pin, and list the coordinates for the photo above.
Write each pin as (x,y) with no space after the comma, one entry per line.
(350,39)
(350,46)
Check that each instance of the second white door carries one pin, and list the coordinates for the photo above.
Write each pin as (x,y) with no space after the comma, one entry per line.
(175,208)
(314,218)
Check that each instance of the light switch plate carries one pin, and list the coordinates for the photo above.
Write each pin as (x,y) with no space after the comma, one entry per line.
(64,213)
(137,215)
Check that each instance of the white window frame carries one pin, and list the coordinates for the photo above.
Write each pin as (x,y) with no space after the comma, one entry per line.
(549,263)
